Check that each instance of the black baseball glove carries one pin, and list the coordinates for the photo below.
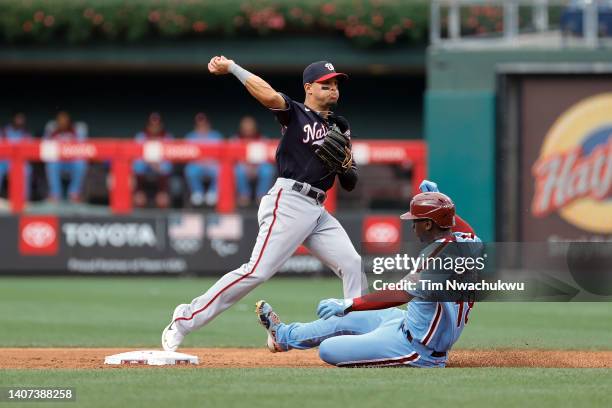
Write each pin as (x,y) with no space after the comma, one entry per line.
(335,151)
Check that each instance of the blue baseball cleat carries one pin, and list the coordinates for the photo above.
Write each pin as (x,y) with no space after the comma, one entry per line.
(270,321)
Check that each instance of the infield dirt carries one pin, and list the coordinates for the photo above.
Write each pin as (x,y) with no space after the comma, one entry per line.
(88,358)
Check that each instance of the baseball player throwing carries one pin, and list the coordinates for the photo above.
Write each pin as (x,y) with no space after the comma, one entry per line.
(369,330)
(315,149)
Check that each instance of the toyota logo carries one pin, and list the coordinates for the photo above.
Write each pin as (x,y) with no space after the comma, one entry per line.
(382,232)
(38,234)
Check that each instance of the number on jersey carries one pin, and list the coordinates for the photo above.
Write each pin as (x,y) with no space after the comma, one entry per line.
(460,314)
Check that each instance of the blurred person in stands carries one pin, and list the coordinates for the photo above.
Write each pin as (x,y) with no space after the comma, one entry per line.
(16,132)
(152,176)
(196,172)
(248,174)
(62,129)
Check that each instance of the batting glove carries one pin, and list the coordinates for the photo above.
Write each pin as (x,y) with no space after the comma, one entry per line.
(333,307)
(428,186)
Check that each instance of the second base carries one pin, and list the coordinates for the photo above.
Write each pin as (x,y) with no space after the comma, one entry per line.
(151,357)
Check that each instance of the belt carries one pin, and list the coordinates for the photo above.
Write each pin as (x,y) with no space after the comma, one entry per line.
(436,354)
(318,196)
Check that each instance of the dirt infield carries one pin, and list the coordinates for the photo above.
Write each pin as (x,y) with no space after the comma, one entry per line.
(83,358)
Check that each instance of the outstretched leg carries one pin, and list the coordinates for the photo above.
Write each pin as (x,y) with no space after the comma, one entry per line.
(283,225)
(308,335)
(385,346)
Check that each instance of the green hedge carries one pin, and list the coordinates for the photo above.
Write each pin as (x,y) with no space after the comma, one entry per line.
(366,22)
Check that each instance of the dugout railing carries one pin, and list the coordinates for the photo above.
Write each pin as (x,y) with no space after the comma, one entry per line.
(121,154)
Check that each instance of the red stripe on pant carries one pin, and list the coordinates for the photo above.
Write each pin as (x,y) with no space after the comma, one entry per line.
(460,314)
(378,363)
(434,325)
(245,275)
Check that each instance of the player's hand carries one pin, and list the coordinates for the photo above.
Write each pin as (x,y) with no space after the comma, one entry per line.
(219,65)
(333,307)
(428,186)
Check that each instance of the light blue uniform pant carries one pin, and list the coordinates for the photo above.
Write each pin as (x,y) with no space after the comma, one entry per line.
(76,169)
(5,166)
(195,172)
(369,338)
(265,174)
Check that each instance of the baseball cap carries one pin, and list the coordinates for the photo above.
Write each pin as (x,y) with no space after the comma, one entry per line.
(320,71)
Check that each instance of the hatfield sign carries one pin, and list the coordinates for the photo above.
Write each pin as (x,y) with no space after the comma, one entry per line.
(573,174)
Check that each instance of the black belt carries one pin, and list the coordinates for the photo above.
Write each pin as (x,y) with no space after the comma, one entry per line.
(317,195)
(433,354)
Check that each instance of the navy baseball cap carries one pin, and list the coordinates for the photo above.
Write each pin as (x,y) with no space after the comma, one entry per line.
(320,71)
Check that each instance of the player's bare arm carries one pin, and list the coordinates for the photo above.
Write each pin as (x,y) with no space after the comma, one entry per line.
(260,89)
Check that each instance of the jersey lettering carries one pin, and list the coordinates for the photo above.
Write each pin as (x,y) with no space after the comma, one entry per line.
(314,132)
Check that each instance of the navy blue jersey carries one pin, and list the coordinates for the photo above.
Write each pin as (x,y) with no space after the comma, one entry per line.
(302,129)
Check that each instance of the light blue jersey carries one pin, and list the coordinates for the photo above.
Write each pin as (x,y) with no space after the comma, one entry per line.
(419,336)
(435,323)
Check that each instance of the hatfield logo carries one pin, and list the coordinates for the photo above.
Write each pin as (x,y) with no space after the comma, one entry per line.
(382,234)
(118,235)
(573,175)
(38,236)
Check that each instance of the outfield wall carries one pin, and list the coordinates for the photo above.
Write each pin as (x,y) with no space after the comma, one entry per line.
(157,242)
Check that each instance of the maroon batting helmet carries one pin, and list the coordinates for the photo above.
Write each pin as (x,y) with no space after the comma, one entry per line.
(432,206)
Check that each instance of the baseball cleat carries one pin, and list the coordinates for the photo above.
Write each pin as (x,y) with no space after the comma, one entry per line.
(270,321)
(171,338)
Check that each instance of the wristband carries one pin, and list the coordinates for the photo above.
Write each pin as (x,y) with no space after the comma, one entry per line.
(239,72)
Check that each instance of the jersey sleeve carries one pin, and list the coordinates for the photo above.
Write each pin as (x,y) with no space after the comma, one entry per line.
(461,225)
(284,115)
(446,272)
(432,273)
(348,180)
(382,299)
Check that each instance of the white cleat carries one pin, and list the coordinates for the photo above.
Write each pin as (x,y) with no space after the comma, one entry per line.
(171,338)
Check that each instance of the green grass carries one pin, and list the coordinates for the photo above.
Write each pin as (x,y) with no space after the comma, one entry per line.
(126,312)
(130,313)
(326,387)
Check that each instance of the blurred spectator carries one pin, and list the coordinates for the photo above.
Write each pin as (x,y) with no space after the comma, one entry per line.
(15,132)
(153,176)
(62,129)
(195,172)
(248,174)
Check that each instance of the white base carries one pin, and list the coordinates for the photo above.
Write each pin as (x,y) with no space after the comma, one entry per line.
(151,357)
